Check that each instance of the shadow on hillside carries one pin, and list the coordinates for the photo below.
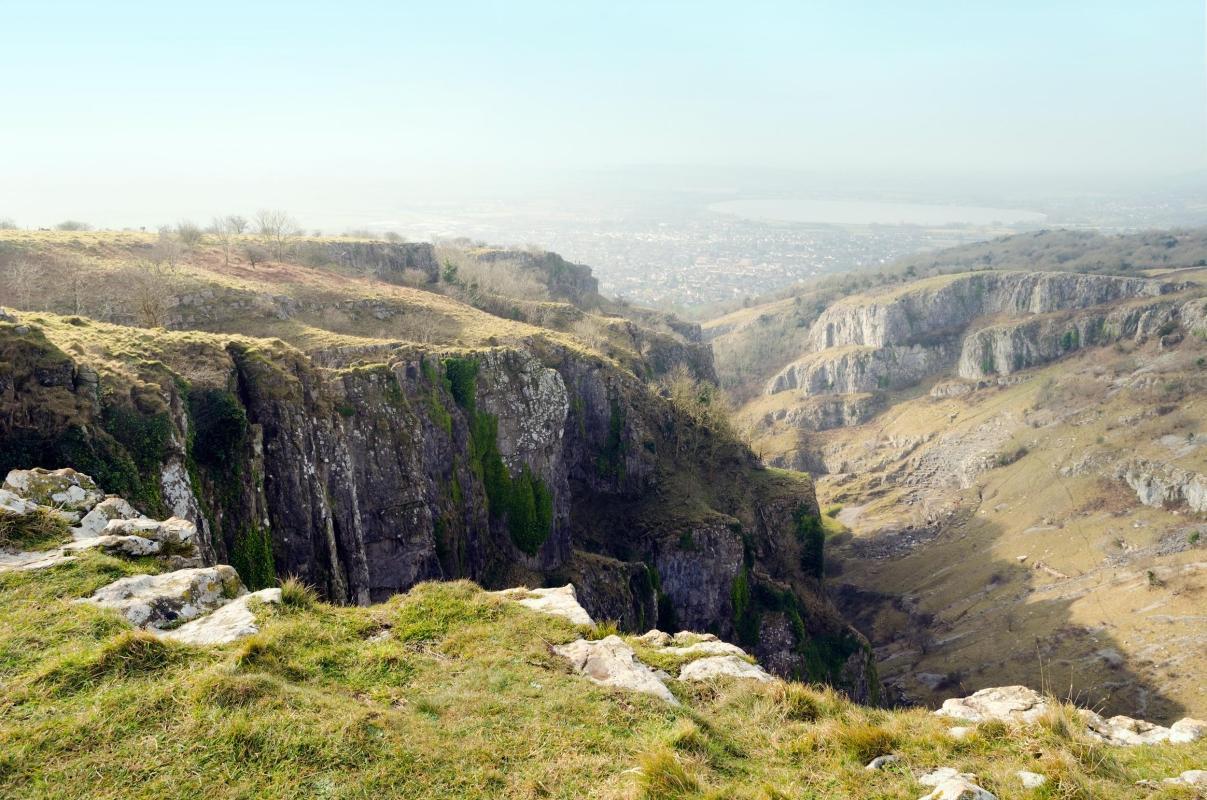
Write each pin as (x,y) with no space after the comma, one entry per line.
(997,634)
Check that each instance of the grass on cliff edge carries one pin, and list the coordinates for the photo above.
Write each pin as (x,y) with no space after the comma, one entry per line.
(463,699)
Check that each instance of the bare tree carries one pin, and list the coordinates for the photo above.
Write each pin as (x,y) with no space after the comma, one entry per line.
(167,248)
(23,278)
(73,225)
(236,223)
(255,254)
(8,224)
(189,234)
(224,231)
(276,227)
(153,293)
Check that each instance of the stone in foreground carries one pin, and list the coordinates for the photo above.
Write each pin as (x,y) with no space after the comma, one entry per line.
(19,562)
(1007,703)
(1191,777)
(232,621)
(958,789)
(123,545)
(729,666)
(63,488)
(157,601)
(611,662)
(560,601)
(1030,780)
(111,508)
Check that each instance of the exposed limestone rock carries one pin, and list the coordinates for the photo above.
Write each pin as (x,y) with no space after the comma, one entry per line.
(157,601)
(1020,704)
(852,370)
(15,504)
(958,789)
(1191,777)
(1009,703)
(729,666)
(655,638)
(17,562)
(95,521)
(706,648)
(232,621)
(1161,484)
(173,531)
(952,785)
(561,601)
(63,488)
(124,545)
(880,762)
(1030,780)
(611,662)
(1126,731)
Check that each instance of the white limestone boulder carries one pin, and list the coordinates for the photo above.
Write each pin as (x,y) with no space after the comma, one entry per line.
(727,666)
(61,488)
(174,531)
(15,504)
(118,545)
(706,648)
(561,601)
(958,789)
(228,623)
(1030,780)
(159,601)
(1187,730)
(610,662)
(111,508)
(1006,703)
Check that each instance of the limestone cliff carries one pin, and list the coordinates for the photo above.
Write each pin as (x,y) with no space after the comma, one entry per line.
(531,463)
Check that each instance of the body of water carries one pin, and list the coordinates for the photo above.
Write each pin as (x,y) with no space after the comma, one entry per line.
(860,212)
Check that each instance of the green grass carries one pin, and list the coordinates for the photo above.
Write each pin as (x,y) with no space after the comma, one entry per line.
(37,530)
(447,692)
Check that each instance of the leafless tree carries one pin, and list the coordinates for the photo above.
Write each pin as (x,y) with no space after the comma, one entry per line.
(167,249)
(73,225)
(189,234)
(255,254)
(276,227)
(23,278)
(8,224)
(224,231)
(236,223)
(153,293)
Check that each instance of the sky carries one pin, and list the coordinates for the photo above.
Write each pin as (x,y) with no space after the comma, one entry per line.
(118,111)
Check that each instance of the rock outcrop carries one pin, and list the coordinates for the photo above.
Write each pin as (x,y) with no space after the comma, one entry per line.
(1018,704)
(531,464)
(975,325)
(61,488)
(160,601)
(727,666)
(229,622)
(1162,485)
(610,662)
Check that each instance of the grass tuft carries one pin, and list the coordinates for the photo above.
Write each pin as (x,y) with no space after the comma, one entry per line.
(663,776)
(298,595)
(37,530)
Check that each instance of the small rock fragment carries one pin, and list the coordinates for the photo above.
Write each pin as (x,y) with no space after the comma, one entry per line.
(1030,780)
(880,762)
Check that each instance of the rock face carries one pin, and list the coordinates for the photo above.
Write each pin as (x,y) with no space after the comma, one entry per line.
(899,337)
(158,601)
(611,662)
(530,464)
(1161,484)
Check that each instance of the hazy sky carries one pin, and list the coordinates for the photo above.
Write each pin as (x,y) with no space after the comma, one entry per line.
(118,109)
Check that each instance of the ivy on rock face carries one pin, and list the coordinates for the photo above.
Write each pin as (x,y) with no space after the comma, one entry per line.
(525,501)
